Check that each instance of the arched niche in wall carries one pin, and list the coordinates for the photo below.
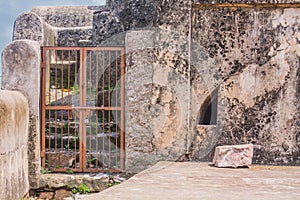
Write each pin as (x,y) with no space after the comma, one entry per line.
(208,111)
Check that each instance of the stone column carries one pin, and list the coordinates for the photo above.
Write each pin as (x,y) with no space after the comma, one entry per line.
(13,145)
(21,72)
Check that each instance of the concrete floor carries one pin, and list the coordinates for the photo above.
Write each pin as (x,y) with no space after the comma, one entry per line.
(188,180)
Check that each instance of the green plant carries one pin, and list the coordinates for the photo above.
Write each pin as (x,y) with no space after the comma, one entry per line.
(75,89)
(69,171)
(114,180)
(89,161)
(45,170)
(82,189)
(112,184)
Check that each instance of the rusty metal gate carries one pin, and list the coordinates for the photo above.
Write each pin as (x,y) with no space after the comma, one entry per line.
(82,109)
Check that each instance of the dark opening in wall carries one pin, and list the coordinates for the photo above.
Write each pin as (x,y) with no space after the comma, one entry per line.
(208,111)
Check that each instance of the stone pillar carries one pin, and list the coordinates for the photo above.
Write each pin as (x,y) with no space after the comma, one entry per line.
(13,145)
(28,26)
(156,98)
(21,72)
(138,82)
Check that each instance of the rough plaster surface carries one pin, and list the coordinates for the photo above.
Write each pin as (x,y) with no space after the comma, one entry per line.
(72,36)
(56,25)
(13,145)
(202,142)
(105,26)
(251,55)
(65,16)
(257,54)
(21,72)
(28,26)
(157,98)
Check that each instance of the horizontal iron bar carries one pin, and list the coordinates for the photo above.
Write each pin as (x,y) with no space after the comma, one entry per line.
(58,107)
(63,169)
(96,108)
(81,108)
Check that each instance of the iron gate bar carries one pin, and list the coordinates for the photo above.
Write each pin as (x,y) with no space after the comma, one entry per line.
(109,147)
(102,112)
(82,126)
(59,70)
(122,138)
(116,105)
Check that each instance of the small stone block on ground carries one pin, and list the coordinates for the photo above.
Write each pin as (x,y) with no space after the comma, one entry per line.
(233,156)
(61,194)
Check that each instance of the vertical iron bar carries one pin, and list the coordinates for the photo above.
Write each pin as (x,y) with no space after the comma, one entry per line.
(97,112)
(83,112)
(43,106)
(55,121)
(76,117)
(116,115)
(109,97)
(81,116)
(49,133)
(90,96)
(69,112)
(69,77)
(62,76)
(62,98)
(50,52)
(49,71)
(103,112)
(122,136)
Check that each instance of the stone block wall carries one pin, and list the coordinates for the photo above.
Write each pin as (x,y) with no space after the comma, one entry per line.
(14,120)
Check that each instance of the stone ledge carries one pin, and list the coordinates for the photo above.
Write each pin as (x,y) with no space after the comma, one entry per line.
(94,183)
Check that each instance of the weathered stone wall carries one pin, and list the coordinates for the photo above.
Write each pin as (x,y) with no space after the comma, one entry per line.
(56,25)
(162,105)
(256,51)
(178,55)
(14,117)
(125,15)
(21,72)
(28,26)
(65,16)
(248,55)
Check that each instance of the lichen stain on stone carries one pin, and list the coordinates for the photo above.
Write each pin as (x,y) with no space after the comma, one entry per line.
(255,125)
(254,81)
(175,61)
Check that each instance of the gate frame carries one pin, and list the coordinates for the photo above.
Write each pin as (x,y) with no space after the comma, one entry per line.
(82,126)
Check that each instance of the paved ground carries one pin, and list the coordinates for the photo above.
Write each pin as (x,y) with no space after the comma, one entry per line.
(187,180)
